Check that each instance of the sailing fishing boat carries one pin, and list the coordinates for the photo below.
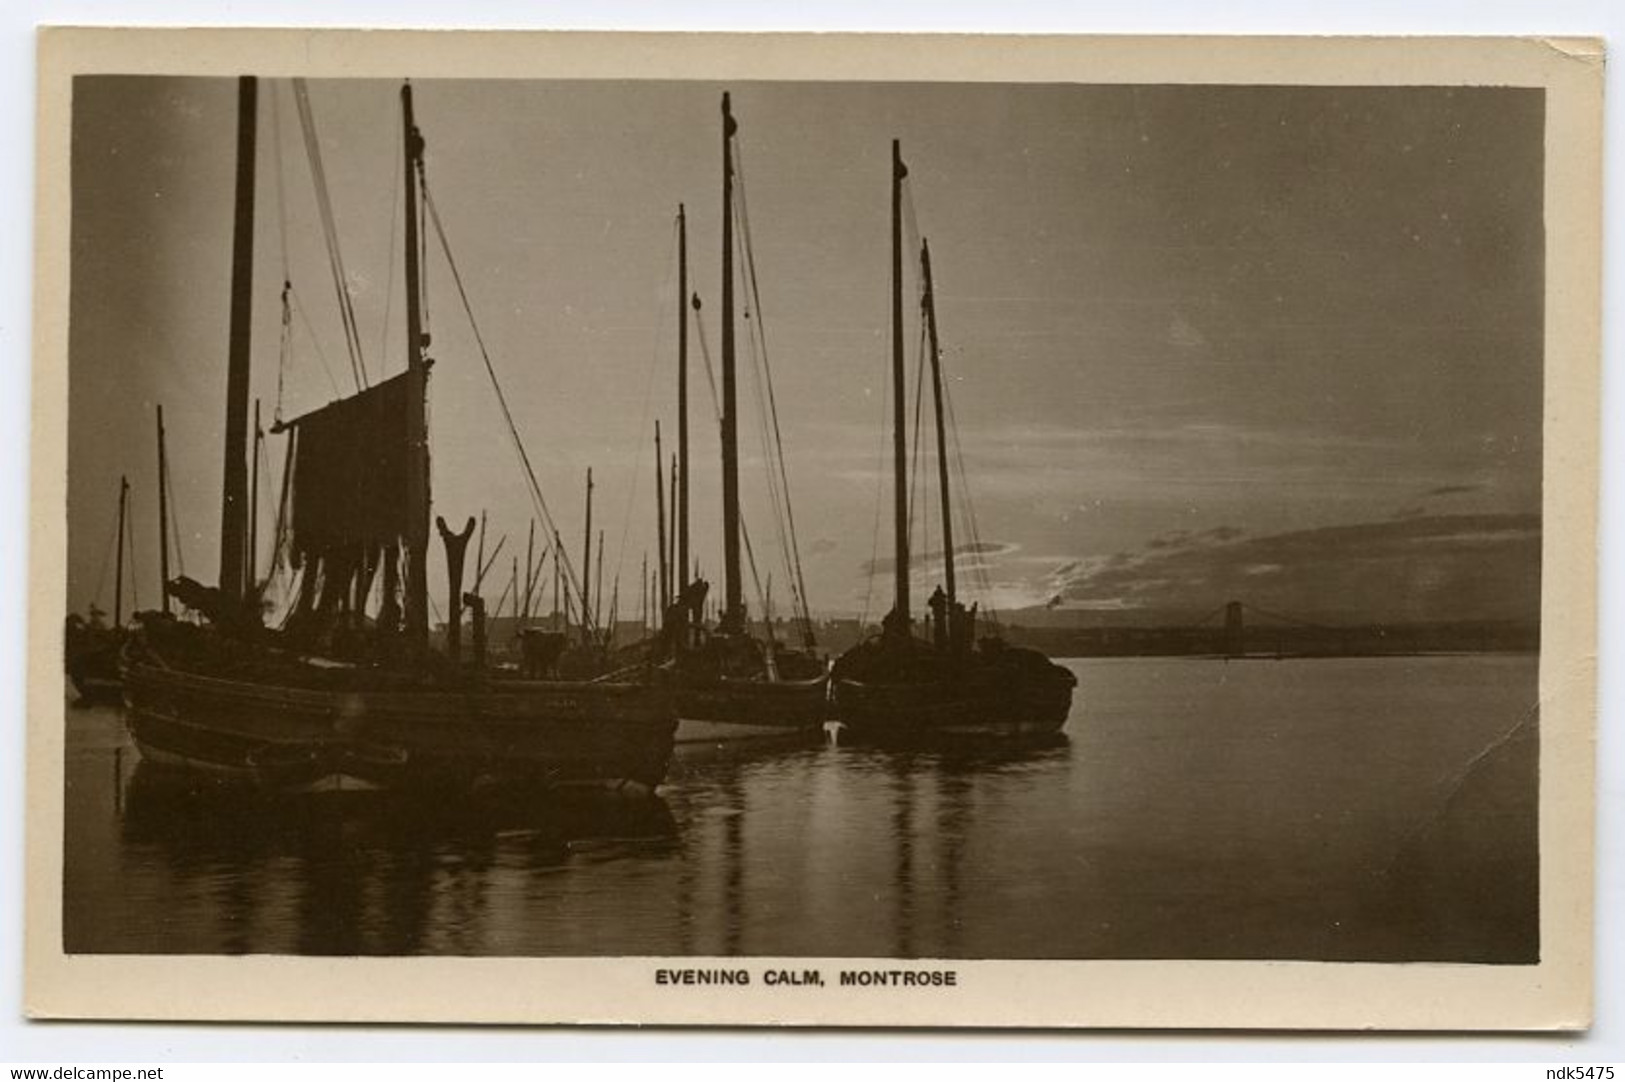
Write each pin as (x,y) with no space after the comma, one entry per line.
(91,647)
(344,695)
(732,684)
(899,687)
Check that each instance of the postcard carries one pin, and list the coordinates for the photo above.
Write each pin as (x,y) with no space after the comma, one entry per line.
(814,530)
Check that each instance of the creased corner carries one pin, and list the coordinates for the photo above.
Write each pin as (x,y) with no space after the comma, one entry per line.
(1591,51)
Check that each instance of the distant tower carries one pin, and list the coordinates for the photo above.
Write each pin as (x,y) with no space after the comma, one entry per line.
(1235,637)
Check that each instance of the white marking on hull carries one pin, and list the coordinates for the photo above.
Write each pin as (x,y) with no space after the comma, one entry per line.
(699,731)
(336,783)
(160,757)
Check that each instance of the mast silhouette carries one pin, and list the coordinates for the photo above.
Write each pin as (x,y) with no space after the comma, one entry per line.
(417,435)
(251,539)
(662,576)
(234,495)
(929,303)
(733,612)
(586,564)
(681,510)
(118,574)
(163,517)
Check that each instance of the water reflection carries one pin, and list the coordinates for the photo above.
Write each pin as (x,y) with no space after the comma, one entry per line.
(372,873)
(1190,811)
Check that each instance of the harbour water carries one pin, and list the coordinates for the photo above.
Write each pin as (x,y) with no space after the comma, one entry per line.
(1347,809)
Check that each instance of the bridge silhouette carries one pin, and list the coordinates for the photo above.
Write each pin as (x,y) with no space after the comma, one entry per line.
(1235,614)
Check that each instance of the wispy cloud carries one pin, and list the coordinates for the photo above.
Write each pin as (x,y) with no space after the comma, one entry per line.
(1419,567)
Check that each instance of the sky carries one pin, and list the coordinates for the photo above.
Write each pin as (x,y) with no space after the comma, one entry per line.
(1274,344)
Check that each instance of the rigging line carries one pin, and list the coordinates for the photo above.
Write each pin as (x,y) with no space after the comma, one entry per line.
(135,585)
(174,520)
(173,525)
(710,373)
(664,292)
(423,249)
(281,201)
(324,207)
(101,573)
(540,502)
(967,509)
(321,354)
(798,585)
(284,350)
(914,485)
(716,414)
(389,276)
(880,494)
(774,497)
(984,580)
(756,347)
(750,559)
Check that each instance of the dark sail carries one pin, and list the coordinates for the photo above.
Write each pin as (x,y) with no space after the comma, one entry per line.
(351,472)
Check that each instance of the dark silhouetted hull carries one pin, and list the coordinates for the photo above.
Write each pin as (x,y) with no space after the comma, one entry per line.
(965,699)
(527,732)
(746,709)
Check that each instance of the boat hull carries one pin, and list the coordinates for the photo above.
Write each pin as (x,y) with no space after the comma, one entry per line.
(751,709)
(970,706)
(529,732)
(95,675)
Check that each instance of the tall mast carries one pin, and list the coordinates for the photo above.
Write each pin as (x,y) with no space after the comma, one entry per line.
(671,546)
(899,438)
(234,502)
(417,380)
(681,510)
(163,517)
(558,564)
(929,303)
(662,575)
(586,561)
(251,540)
(118,574)
(598,589)
(733,612)
(530,572)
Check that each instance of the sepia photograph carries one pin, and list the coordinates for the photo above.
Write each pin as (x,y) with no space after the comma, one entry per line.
(799,536)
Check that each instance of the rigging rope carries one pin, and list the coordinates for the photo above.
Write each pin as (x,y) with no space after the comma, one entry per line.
(916,457)
(278,183)
(174,518)
(716,414)
(389,276)
(535,491)
(101,573)
(321,354)
(798,585)
(880,495)
(135,586)
(973,529)
(648,399)
(335,257)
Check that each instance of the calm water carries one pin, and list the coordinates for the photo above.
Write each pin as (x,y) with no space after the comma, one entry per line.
(1334,809)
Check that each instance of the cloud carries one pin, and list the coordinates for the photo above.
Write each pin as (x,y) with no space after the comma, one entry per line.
(1423,567)
(980,549)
